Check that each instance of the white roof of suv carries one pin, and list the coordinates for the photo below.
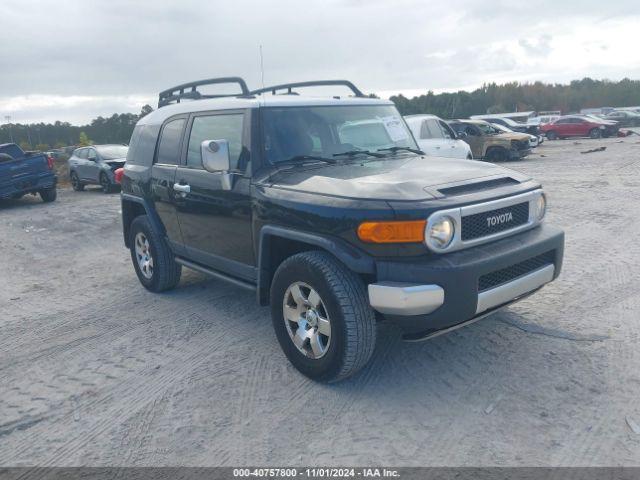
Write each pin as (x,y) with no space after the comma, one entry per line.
(230,103)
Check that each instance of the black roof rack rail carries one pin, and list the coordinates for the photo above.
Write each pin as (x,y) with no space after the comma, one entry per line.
(190,90)
(312,83)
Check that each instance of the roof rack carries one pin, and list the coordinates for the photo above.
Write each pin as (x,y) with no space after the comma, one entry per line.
(313,83)
(190,90)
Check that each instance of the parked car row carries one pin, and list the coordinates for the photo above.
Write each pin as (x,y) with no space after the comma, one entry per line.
(502,139)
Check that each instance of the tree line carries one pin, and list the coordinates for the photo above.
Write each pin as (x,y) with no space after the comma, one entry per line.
(490,98)
(515,96)
(45,136)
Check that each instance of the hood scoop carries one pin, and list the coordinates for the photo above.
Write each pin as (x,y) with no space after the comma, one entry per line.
(477,186)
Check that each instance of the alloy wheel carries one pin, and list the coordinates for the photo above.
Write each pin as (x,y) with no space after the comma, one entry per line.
(143,255)
(307,320)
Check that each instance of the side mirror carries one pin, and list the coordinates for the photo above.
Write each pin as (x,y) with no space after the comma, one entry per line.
(461,135)
(215,159)
(215,156)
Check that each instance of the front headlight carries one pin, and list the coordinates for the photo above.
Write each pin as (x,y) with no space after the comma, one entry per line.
(440,233)
(541,207)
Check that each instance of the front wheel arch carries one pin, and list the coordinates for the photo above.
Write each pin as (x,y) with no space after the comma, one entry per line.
(496,154)
(276,244)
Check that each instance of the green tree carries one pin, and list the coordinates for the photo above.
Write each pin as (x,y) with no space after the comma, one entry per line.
(146,110)
(42,147)
(24,145)
(84,140)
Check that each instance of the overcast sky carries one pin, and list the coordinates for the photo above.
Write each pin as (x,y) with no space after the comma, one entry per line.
(74,60)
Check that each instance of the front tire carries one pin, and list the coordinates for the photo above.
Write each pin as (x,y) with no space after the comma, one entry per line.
(497,154)
(322,317)
(48,195)
(152,258)
(551,135)
(105,183)
(595,133)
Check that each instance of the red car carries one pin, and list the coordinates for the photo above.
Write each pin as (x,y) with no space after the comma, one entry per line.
(576,126)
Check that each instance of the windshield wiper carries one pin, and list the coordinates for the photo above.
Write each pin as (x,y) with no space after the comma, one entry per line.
(397,149)
(353,153)
(304,160)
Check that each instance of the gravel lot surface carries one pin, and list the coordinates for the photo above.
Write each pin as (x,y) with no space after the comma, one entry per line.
(94,370)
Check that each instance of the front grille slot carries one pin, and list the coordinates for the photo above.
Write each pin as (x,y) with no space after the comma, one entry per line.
(494,221)
(506,275)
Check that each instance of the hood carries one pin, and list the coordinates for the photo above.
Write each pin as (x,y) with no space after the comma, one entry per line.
(404,178)
(512,136)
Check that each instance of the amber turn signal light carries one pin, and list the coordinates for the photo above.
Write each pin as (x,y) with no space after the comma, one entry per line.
(392,232)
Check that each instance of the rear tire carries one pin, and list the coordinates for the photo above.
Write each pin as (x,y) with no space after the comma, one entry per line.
(551,135)
(339,299)
(152,258)
(48,195)
(76,184)
(595,133)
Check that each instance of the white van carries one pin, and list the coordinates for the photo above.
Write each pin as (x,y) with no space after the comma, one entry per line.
(436,138)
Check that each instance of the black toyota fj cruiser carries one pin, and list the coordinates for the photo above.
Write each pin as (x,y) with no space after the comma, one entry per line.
(327,209)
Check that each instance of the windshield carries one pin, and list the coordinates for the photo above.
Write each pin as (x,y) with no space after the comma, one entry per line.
(487,129)
(502,128)
(111,152)
(327,131)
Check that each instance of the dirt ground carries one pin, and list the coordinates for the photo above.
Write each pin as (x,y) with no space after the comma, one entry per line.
(94,370)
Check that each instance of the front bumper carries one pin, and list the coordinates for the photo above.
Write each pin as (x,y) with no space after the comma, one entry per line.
(442,291)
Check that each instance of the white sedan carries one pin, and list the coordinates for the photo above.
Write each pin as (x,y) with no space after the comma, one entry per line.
(436,138)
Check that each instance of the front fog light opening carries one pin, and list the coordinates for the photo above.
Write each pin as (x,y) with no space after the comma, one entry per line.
(541,207)
(440,233)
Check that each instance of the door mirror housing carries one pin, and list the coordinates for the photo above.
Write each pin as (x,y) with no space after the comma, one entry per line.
(215,156)
(461,135)
(216,159)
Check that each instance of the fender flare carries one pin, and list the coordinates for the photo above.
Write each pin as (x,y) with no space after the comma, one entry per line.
(154,219)
(354,258)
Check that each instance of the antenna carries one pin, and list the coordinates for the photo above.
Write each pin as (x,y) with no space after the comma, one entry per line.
(261,66)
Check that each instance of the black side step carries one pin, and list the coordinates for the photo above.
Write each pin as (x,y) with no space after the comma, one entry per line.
(216,274)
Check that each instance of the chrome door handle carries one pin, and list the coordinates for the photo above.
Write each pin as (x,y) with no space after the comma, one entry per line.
(178,187)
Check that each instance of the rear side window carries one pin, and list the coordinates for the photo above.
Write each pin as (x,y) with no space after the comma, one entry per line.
(143,144)
(216,127)
(170,141)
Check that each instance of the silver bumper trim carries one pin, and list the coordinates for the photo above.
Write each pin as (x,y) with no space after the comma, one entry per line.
(504,293)
(395,298)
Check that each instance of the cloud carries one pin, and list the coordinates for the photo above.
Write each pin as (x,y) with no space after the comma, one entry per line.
(540,46)
(111,51)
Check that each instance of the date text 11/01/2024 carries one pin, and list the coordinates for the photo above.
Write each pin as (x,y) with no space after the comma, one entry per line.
(316,472)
